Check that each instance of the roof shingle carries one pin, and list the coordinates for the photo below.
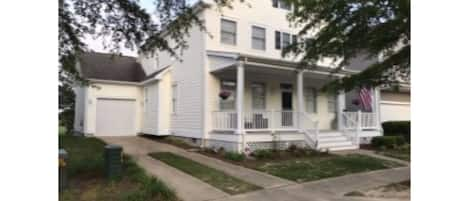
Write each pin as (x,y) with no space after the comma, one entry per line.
(111,67)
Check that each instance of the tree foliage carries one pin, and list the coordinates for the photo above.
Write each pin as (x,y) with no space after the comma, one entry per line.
(345,29)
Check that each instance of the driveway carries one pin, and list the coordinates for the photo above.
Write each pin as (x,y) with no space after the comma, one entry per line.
(189,188)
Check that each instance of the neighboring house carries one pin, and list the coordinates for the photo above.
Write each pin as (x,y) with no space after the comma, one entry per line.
(232,89)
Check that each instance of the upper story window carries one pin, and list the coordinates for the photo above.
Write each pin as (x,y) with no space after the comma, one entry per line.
(228,32)
(258,38)
(283,39)
(281,4)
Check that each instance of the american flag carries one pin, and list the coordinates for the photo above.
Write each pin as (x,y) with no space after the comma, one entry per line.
(365,98)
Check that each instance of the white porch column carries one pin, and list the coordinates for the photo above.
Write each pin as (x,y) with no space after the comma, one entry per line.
(376,106)
(300,96)
(239,102)
(340,109)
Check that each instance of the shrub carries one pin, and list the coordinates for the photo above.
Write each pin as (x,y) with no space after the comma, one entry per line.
(387,142)
(263,154)
(397,128)
(234,156)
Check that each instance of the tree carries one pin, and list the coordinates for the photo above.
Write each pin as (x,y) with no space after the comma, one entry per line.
(344,29)
(124,22)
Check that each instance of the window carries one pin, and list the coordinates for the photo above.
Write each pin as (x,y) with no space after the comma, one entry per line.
(311,100)
(229,102)
(278,40)
(283,39)
(228,32)
(281,4)
(174,97)
(286,40)
(258,96)
(332,103)
(258,38)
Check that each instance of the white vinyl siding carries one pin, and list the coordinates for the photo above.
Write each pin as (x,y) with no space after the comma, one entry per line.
(258,38)
(174,97)
(311,100)
(229,103)
(258,96)
(228,32)
(332,103)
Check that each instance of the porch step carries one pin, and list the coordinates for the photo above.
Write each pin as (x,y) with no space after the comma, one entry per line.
(334,141)
(343,148)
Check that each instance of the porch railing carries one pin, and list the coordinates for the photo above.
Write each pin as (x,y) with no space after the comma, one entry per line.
(256,120)
(368,120)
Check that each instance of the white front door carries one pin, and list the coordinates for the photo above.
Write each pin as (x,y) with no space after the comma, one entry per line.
(116,117)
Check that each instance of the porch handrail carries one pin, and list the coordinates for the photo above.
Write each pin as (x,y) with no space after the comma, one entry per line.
(352,126)
(310,132)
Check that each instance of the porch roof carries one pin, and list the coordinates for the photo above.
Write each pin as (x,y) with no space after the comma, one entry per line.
(228,59)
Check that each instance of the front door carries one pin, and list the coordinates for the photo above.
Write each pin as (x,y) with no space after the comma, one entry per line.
(287,106)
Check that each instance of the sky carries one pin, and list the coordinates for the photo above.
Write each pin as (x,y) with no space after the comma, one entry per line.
(97,44)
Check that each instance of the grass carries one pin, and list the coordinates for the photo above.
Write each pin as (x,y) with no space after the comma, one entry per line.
(209,175)
(302,165)
(172,141)
(402,153)
(315,168)
(87,182)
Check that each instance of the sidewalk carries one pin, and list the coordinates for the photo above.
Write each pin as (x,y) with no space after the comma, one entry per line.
(328,189)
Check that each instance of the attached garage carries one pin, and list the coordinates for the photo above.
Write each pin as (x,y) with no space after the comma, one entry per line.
(395,106)
(116,117)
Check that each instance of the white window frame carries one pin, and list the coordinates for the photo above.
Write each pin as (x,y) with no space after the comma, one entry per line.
(253,38)
(227,32)
(262,96)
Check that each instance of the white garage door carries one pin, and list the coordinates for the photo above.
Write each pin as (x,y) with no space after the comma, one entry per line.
(395,111)
(115,117)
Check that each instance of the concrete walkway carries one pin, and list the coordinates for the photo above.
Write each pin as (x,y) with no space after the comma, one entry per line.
(328,189)
(189,188)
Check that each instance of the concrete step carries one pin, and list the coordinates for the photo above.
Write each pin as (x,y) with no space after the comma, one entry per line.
(332,139)
(336,134)
(343,148)
(335,144)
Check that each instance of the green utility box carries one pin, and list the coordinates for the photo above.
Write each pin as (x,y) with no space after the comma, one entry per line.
(62,169)
(113,161)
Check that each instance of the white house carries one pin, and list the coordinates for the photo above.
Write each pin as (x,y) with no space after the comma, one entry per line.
(232,89)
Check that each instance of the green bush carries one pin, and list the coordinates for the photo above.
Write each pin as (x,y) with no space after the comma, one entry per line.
(234,156)
(263,154)
(388,142)
(397,128)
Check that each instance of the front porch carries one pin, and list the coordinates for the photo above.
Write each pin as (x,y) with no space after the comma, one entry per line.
(278,100)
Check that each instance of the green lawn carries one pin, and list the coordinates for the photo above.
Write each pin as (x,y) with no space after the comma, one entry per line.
(402,154)
(85,169)
(311,168)
(209,175)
